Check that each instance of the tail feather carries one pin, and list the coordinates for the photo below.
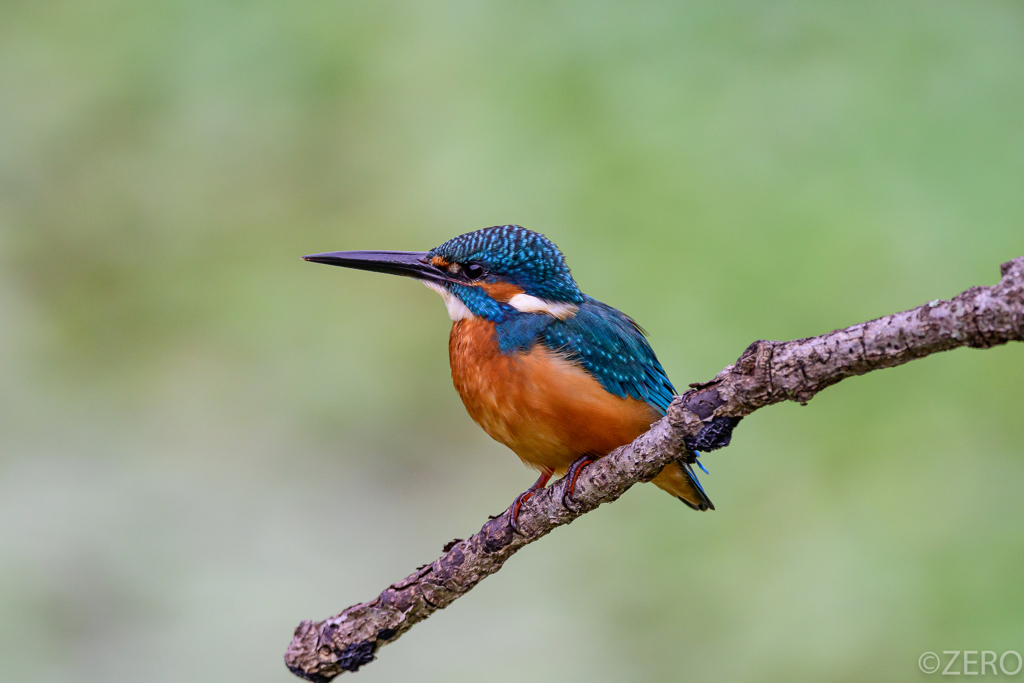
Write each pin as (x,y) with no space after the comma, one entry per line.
(680,480)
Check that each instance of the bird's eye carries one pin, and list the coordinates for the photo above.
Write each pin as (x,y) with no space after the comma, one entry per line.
(474,271)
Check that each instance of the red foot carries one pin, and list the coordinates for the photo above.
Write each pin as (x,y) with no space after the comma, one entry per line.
(513,510)
(570,479)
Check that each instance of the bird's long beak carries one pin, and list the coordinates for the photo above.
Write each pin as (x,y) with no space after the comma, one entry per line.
(408,263)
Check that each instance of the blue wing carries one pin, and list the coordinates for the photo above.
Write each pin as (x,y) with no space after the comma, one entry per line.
(609,345)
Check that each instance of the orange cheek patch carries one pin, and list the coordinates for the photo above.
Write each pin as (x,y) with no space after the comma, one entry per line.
(439,262)
(501,291)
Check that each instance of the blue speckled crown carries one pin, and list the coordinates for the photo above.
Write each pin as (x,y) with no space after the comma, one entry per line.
(521,256)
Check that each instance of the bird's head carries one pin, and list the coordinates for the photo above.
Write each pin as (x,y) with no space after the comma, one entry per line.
(485,273)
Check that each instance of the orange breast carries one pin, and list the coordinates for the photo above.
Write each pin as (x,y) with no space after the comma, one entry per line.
(546,409)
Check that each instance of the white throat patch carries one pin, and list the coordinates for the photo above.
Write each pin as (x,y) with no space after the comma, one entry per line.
(456,309)
(531,304)
(524,303)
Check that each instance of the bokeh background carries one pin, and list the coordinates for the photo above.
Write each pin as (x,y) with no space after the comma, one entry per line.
(204,440)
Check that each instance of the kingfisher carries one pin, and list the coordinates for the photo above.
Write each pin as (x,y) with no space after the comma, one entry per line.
(553,374)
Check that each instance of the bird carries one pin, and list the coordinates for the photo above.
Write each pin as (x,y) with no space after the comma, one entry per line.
(557,376)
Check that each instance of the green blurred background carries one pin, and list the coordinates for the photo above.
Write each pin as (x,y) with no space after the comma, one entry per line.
(204,440)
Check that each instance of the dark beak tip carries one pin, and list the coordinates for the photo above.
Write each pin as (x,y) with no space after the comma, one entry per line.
(412,264)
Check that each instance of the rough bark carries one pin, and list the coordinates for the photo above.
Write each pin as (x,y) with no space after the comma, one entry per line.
(767,372)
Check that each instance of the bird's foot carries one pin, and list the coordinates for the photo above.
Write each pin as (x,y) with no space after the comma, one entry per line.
(513,510)
(570,480)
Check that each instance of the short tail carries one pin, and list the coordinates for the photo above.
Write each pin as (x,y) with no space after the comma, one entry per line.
(679,480)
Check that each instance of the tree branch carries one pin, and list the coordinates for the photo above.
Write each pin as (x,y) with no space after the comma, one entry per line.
(767,372)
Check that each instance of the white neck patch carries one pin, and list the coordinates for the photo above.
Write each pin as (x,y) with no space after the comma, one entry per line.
(456,309)
(531,304)
(523,303)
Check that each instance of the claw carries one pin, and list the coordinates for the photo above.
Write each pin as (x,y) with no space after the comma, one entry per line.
(570,480)
(513,510)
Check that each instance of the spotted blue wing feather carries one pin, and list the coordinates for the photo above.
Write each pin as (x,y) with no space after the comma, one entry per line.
(609,345)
